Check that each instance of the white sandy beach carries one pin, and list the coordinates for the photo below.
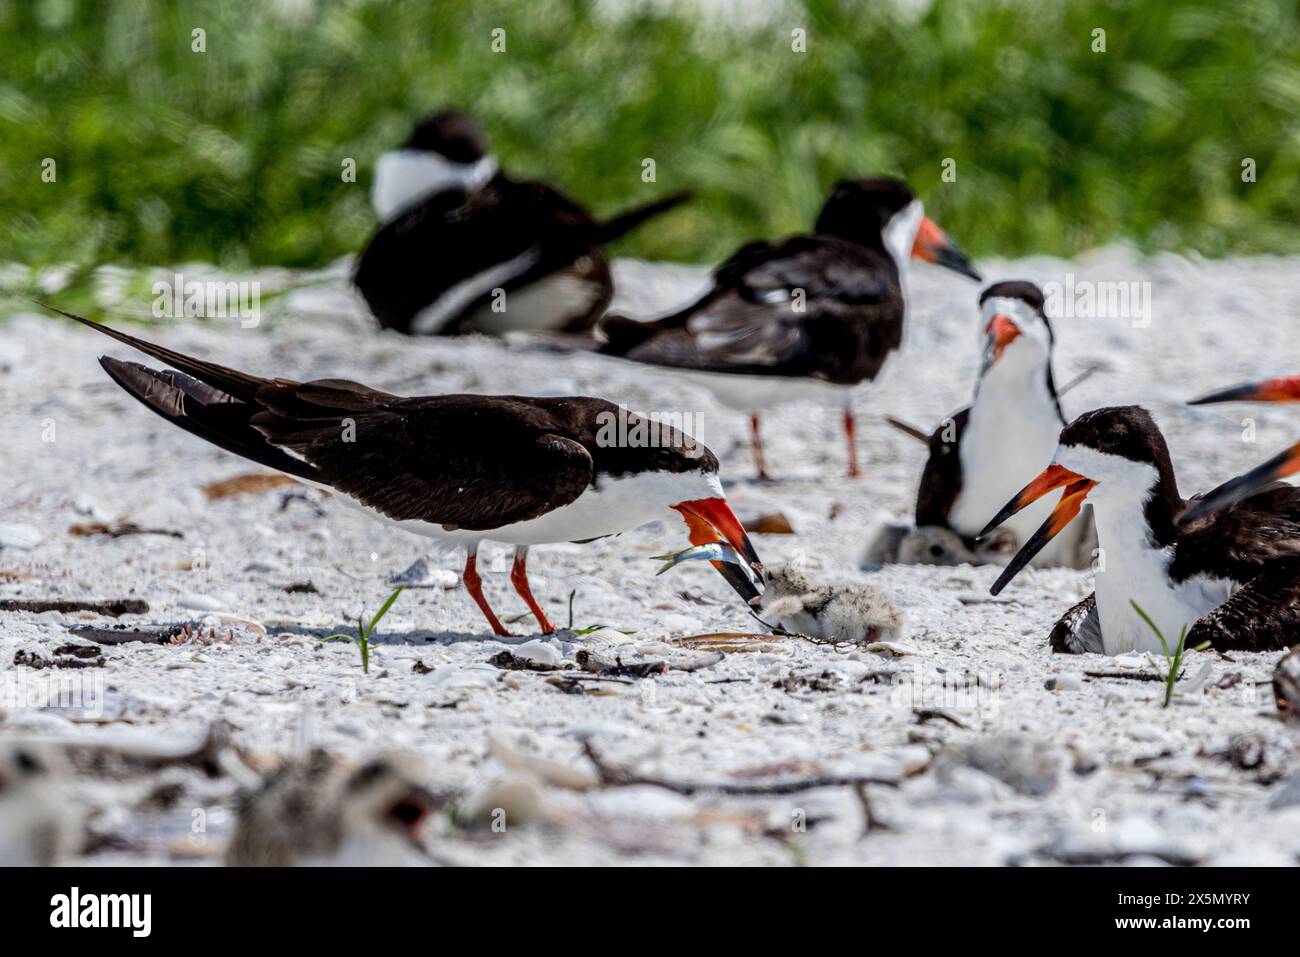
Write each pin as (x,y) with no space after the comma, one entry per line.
(1090,770)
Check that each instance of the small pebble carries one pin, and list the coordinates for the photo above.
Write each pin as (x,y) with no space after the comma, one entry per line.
(15,535)
(200,603)
(1070,681)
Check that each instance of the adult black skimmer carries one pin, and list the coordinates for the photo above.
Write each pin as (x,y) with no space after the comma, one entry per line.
(1232,579)
(1280,466)
(461,468)
(809,316)
(980,457)
(463,247)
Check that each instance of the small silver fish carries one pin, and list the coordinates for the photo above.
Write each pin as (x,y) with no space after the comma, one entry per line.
(708,552)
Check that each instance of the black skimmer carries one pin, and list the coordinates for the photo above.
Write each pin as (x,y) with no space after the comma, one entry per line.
(1282,465)
(839,611)
(1232,579)
(38,826)
(465,248)
(323,811)
(460,468)
(981,456)
(810,316)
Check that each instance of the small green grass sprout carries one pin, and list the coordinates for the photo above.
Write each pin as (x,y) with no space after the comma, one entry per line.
(364,631)
(1173,660)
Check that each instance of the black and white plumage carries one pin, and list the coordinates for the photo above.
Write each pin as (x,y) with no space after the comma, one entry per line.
(840,611)
(324,811)
(459,468)
(466,248)
(1232,578)
(979,457)
(810,316)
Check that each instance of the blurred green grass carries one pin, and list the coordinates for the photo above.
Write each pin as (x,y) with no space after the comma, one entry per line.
(234,155)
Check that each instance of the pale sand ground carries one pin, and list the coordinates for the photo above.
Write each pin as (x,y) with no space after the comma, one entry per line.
(1162,787)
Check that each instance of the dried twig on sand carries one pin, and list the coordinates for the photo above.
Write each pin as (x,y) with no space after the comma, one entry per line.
(112,607)
(1129,675)
(869,820)
(611,776)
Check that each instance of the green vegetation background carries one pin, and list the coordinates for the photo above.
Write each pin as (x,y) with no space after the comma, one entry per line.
(234,155)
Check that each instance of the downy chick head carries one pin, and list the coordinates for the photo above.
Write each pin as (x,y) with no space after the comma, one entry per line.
(786,578)
(384,806)
(35,821)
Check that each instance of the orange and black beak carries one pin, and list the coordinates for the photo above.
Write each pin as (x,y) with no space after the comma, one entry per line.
(1053,477)
(1267,390)
(933,246)
(1000,332)
(712,520)
(1243,486)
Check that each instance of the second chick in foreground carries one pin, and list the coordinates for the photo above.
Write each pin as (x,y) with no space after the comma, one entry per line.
(37,826)
(324,811)
(840,611)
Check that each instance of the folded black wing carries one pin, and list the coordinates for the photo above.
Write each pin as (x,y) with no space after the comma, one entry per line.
(461,461)
(809,305)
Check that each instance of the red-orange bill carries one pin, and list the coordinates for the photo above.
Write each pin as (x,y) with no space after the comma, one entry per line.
(711,519)
(1066,509)
(1001,332)
(1266,390)
(1052,477)
(933,245)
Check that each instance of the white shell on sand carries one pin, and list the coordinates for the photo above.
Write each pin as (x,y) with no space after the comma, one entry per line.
(17,535)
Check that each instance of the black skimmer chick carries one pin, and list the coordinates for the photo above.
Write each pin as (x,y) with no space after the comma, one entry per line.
(1282,465)
(840,611)
(465,248)
(933,545)
(460,468)
(981,456)
(322,811)
(810,316)
(37,825)
(1232,579)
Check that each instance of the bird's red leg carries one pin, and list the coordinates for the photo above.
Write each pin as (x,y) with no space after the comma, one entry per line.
(474,585)
(850,432)
(756,442)
(519,576)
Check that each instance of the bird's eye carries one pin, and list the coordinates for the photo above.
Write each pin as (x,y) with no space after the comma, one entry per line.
(936,550)
(26,762)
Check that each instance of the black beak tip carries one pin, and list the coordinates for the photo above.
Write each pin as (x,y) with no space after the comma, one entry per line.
(740,582)
(953,258)
(1236,393)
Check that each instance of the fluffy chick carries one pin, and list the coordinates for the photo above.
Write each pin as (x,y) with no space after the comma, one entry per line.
(935,545)
(36,823)
(325,811)
(841,611)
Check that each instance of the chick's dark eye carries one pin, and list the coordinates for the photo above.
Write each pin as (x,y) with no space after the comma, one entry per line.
(26,762)
(406,812)
(936,550)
